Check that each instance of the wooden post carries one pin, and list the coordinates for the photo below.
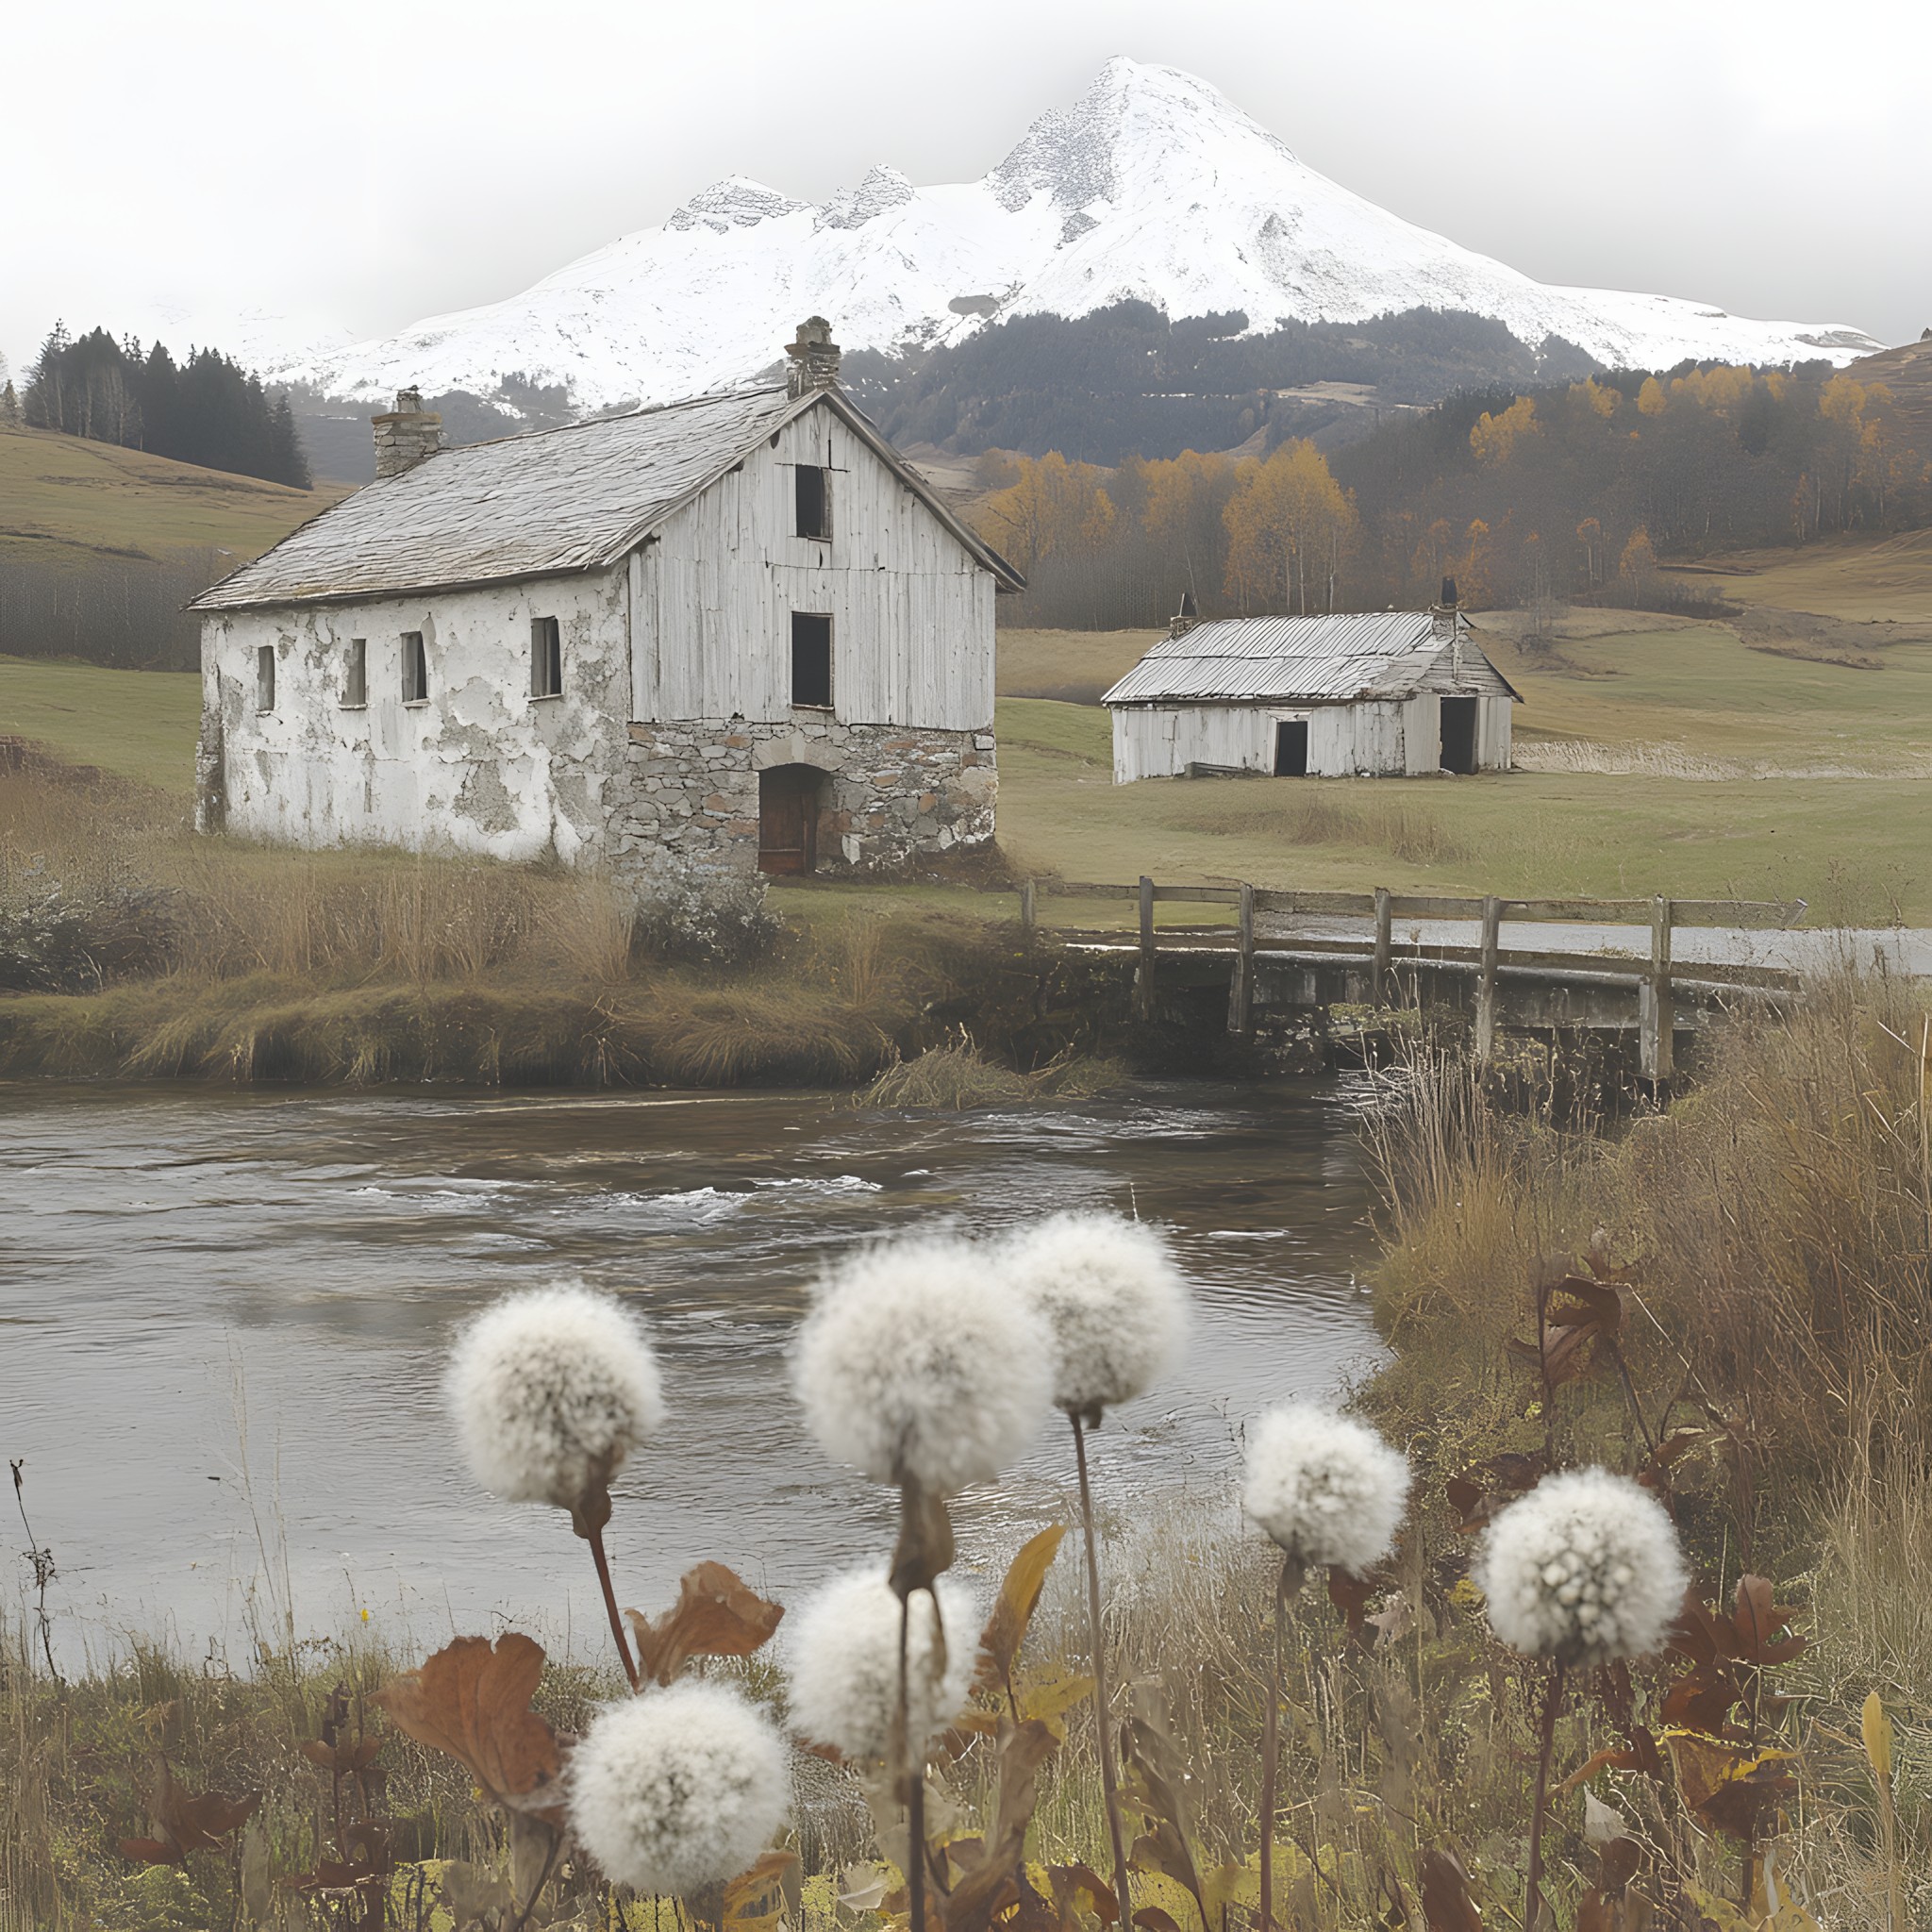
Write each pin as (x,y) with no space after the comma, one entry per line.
(1385,923)
(1240,990)
(1656,1012)
(1486,984)
(1143,977)
(1027,913)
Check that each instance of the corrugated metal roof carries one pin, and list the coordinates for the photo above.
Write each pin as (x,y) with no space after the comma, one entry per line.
(1386,653)
(543,505)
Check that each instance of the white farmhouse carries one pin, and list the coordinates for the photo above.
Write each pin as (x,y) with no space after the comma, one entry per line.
(740,629)
(1393,693)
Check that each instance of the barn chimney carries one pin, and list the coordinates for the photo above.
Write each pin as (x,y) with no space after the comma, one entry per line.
(1184,619)
(814,359)
(1443,617)
(406,435)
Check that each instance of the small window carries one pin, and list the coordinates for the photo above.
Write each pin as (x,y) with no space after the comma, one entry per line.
(415,668)
(546,657)
(814,491)
(811,660)
(355,677)
(265,678)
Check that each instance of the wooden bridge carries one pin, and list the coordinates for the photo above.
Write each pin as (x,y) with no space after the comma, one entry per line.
(1269,967)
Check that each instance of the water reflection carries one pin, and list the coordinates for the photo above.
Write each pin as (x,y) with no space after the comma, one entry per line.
(221,1323)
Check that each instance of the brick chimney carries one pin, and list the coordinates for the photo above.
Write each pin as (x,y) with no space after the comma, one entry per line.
(407,435)
(1184,619)
(814,359)
(1442,614)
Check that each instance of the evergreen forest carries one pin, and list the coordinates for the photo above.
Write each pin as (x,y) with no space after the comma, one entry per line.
(207,410)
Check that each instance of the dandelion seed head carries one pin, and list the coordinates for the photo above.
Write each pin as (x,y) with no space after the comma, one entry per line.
(1326,1489)
(843,1664)
(1114,1299)
(1583,1569)
(551,1390)
(920,1362)
(678,1789)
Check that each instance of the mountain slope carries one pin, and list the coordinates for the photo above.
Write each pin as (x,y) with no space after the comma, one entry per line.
(1152,186)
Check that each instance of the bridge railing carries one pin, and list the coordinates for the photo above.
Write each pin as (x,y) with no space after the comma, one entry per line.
(1662,915)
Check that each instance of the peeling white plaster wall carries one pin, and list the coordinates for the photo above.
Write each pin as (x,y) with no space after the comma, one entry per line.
(480,767)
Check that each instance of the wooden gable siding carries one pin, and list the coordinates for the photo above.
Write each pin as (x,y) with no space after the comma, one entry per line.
(712,596)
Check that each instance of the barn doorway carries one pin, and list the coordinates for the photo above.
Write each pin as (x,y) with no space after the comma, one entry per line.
(789,818)
(1459,735)
(1291,749)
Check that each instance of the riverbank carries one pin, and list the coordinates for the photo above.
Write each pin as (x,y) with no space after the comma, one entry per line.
(1766,1246)
(131,949)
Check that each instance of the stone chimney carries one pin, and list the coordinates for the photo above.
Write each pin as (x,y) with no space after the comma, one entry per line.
(814,359)
(407,435)
(1184,619)
(1442,622)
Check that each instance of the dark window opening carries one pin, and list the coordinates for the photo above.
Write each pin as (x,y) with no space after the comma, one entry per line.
(265,678)
(415,668)
(814,493)
(811,660)
(546,657)
(1459,735)
(356,682)
(789,818)
(1291,749)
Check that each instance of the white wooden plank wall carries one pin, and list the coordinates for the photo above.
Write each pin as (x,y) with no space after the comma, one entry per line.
(912,614)
(1387,737)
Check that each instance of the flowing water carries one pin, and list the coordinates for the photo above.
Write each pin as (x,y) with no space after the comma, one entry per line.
(222,1320)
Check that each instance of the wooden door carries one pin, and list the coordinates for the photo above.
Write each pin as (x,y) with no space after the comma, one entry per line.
(788,819)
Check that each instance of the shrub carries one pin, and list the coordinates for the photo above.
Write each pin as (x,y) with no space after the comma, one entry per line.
(700,917)
(51,942)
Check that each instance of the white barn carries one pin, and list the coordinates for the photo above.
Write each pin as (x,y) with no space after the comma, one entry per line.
(1395,693)
(740,629)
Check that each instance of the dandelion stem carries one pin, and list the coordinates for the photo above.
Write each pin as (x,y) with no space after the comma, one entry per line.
(595,1539)
(915,1775)
(1533,1911)
(1271,1751)
(1110,1784)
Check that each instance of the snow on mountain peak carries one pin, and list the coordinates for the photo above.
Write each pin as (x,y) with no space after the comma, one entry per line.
(1151,185)
(883,187)
(735,202)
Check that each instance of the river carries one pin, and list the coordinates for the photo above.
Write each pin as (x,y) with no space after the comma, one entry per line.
(223,1319)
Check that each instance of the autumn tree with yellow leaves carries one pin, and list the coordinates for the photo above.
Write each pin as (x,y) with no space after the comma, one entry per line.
(1290,526)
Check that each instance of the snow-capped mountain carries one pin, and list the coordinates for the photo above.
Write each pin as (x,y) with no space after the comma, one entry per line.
(1152,184)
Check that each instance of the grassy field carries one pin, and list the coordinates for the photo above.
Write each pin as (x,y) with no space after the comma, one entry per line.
(62,497)
(1697,758)
(139,724)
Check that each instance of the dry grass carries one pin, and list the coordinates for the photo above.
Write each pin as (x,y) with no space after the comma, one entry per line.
(366,966)
(1778,1223)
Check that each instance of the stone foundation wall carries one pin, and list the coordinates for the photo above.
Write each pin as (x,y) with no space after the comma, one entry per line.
(890,794)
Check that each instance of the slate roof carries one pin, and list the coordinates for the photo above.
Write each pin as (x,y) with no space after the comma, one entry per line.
(549,504)
(1386,654)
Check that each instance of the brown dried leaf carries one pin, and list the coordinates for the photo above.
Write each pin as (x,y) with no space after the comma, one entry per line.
(1446,1903)
(472,1701)
(1022,1749)
(717,1614)
(188,1824)
(1019,1597)
(1078,1888)
(1154,1776)
(1484,1487)
(1731,1788)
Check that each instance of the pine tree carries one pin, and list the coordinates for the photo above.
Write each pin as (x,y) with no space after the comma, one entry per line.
(288,463)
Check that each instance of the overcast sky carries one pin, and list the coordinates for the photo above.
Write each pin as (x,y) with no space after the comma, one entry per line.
(361,164)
